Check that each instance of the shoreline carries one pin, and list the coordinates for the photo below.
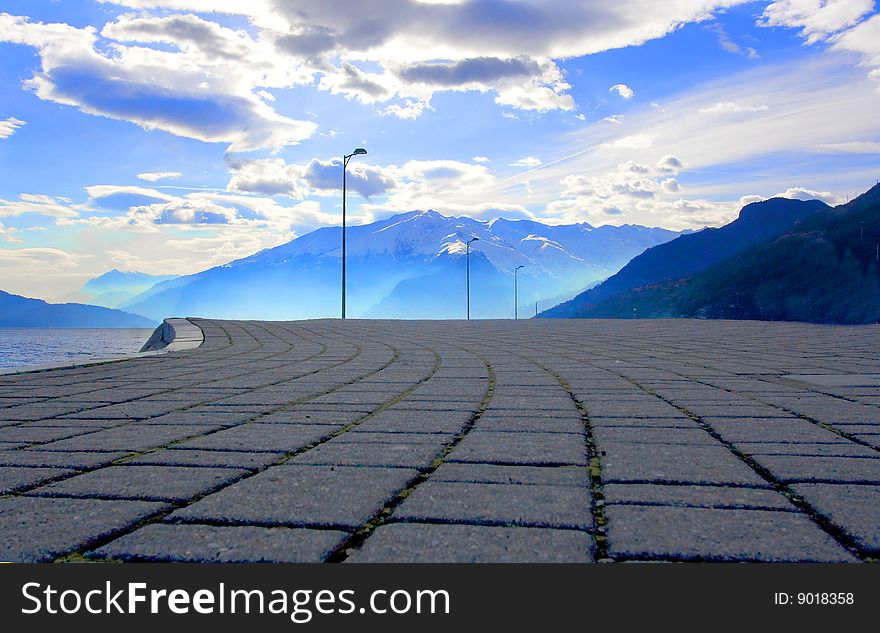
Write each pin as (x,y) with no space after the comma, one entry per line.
(173,334)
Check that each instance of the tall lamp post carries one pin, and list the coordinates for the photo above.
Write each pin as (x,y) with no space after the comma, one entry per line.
(345,159)
(468,258)
(516,293)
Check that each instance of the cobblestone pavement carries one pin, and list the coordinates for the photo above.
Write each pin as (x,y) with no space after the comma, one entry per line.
(365,441)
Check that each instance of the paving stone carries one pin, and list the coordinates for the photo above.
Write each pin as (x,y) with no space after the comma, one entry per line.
(562,424)
(665,532)
(521,448)
(852,508)
(696,496)
(626,435)
(40,529)
(822,469)
(215,459)
(495,504)
(771,430)
(642,408)
(254,437)
(227,544)
(526,475)
(32,435)
(49,459)
(812,449)
(151,483)
(367,437)
(622,463)
(301,495)
(15,478)
(133,437)
(336,419)
(432,543)
(396,421)
(682,422)
(235,406)
(399,455)
(136,410)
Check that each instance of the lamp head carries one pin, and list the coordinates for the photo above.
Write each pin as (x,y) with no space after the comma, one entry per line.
(518,267)
(359,151)
(474,239)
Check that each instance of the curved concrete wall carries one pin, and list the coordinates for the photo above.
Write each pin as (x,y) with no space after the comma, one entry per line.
(174,334)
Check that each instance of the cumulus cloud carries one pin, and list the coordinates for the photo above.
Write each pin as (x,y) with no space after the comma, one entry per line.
(801,193)
(367,180)
(623,90)
(481,159)
(670,164)
(527,161)
(841,23)
(395,63)
(816,19)
(185,211)
(9,126)
(796,193)
(271,176)
(178,91)
(155,176)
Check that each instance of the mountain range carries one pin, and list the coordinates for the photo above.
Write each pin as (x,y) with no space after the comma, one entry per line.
(410,265)
(780,260)
(114,288)
(17,311)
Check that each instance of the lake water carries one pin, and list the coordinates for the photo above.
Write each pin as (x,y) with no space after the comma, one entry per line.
(27,347)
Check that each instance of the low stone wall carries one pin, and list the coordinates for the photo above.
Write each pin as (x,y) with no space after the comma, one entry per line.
(174,334)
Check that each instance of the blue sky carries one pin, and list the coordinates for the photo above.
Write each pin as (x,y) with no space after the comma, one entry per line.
(168,136)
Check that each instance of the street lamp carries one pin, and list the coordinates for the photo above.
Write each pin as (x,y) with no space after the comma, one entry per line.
(468,258)
(345,159)
(516,293)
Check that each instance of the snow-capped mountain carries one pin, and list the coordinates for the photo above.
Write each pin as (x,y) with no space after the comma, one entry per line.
(389,259)
(114,288)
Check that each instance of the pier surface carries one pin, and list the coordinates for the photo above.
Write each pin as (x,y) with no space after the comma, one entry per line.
(362,441)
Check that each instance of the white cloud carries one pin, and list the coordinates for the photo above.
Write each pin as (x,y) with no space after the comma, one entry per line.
(527,161)
(727,43)
(623,90)
(7,234)
(617,119)
(850,147)
(417,48)
(155,176)
(38,204)
(863,39)
(481,159)
(841,23)
(179,90)
(730,106)
(9,126)
(670,185)
(271,176)
(409,109)
(816,18)
(802,193)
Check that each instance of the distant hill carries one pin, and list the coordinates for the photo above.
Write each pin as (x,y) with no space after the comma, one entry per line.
(16,311)
(691,253)
(824,269)
(410,257)
(114,288)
